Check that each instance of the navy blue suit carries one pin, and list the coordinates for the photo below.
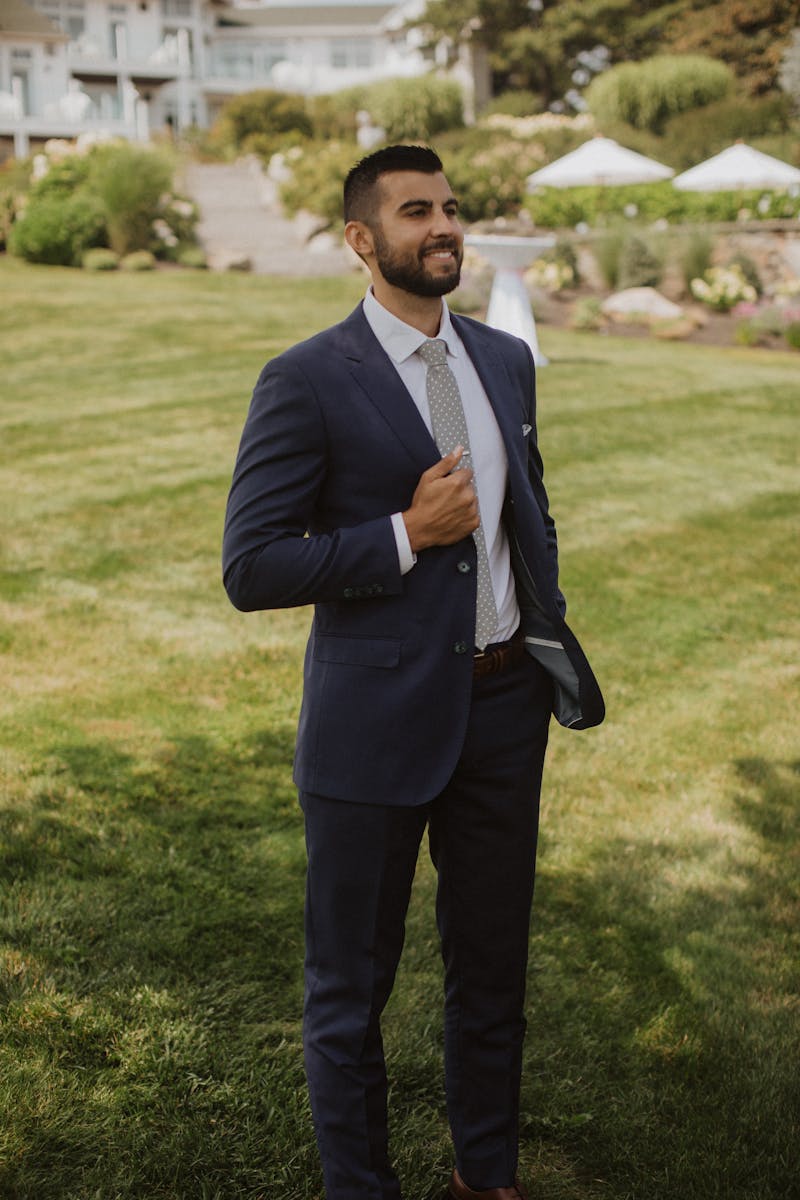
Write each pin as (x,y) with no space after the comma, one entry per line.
(393,735)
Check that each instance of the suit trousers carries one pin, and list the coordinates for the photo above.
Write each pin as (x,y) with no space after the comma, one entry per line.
(482,832)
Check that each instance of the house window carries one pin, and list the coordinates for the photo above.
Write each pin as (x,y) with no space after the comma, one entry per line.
(354,52)
(177,8)
(118,38)
(185,43)
(243,60)
(21,64)
(234,62)
(68,15)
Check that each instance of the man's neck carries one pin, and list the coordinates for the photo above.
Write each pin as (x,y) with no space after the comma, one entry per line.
(421,312)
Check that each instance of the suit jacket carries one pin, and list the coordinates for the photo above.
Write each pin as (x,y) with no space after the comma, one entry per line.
(332,445)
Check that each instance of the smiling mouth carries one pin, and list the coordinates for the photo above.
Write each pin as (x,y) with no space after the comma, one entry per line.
(443,254)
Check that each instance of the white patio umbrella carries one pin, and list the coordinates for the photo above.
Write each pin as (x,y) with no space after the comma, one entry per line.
(738,167)
(601,160)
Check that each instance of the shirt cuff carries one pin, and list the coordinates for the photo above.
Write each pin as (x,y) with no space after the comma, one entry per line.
(405,555)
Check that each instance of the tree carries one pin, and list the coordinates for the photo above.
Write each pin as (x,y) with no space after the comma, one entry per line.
(542,45)
(750,35)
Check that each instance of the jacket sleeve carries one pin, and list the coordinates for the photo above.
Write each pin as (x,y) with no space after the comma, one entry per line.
(270,559)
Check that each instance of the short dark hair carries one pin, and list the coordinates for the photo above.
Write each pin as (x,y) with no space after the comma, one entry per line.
(360,191)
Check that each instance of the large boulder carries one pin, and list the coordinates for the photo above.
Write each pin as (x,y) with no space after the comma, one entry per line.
(642,304)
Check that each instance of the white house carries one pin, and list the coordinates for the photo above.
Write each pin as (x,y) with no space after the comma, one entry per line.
(128,67)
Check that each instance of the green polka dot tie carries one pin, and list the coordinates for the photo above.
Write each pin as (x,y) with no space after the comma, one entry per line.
(450,430)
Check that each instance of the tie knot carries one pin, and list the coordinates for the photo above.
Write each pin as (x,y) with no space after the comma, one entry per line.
(433,352)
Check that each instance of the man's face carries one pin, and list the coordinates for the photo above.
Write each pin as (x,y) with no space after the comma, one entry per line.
(418,241)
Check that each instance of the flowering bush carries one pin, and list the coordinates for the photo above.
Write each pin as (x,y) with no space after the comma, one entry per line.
(723,288)
(550,275)
(99,195)
(758,324)
(788,288)
(314,175)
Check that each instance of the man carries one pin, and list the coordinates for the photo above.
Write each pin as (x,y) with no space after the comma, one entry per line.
(437,652)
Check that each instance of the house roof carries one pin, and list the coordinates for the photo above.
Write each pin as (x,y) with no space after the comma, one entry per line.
(364,15)
(19,18)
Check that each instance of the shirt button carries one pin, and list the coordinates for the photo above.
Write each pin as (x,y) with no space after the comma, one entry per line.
(464,567)
(460,648)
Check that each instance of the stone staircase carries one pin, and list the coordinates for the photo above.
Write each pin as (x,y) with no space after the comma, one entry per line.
(242,227)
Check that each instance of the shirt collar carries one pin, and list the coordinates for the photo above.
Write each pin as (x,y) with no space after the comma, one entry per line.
(400,340)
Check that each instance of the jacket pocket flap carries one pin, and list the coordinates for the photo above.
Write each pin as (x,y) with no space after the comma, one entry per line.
(357,651)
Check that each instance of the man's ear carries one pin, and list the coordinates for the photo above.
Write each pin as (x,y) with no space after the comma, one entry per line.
(359,238)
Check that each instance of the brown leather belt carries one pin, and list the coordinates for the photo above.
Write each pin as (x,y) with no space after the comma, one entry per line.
(499,656)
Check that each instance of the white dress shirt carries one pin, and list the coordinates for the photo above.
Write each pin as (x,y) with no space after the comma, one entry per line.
(488,456)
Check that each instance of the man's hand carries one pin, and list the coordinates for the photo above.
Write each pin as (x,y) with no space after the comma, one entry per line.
(444,508)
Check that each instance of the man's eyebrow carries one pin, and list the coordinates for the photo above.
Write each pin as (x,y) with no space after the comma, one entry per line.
(448,203)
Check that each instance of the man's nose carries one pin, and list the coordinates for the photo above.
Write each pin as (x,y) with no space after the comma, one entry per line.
(445,224)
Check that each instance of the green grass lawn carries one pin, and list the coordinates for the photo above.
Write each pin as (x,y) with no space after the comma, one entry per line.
(152,859)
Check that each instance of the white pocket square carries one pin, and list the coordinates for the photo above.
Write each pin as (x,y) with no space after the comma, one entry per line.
(526,430)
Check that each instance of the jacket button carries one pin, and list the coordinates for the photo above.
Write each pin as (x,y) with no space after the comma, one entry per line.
(464,567)
(349,593)
(460,648)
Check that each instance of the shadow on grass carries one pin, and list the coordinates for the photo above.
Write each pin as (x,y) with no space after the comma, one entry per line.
(150,995)
(664,1001)
(174,870)
(152,1017)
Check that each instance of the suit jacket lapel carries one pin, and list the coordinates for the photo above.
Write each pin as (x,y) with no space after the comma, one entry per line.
(373,371)
(503,396)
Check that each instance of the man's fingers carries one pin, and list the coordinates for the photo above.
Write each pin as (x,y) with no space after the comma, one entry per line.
(446,464)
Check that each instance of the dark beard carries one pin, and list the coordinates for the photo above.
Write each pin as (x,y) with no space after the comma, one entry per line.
(408,271)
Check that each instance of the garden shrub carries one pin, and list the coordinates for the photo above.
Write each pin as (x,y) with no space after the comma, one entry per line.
(556,270)
(491,182)
(265,112)
(792,334)
(587,313)
(14,184)
(562,208)
(99,259)
(749,269)
(191,256)
(116,193)
(58,231)
(645,94)
(607,253)
(517,103)
(129,181)
(695,256)
(334,115)
(138,260)
(414,109)
(318,174)
(63,178)
(747,333)
(637,265)
(721,123)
